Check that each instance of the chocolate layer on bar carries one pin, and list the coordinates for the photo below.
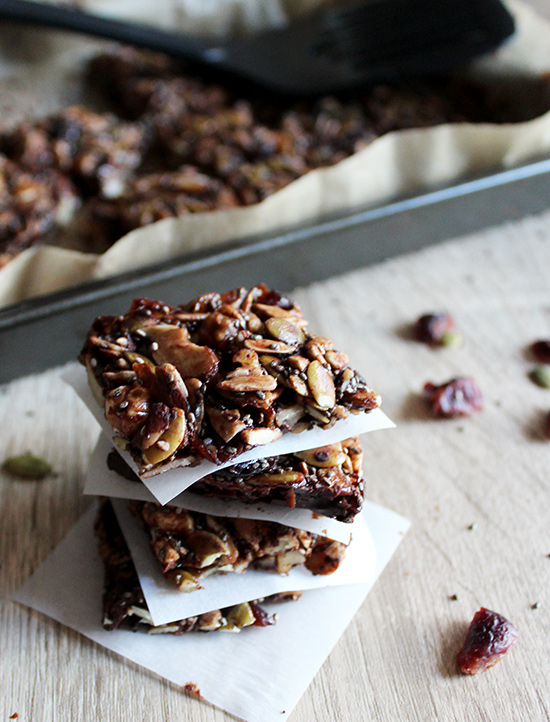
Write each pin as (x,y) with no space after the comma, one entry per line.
(328,480)
(217,376)
(124,605)
(191,546)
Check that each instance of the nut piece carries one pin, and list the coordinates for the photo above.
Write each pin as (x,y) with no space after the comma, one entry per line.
(191,360)
(326,557)
(323,457)
(489,637)
(225,422)
(540,375)
(169,441)
(248,383)
(266,345)
(206,547)
(321,385)
(126,408)
(27,466)
(261,436)
(284,330)
(241,615)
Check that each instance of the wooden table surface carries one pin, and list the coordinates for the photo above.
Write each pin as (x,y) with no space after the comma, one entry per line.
(397,659)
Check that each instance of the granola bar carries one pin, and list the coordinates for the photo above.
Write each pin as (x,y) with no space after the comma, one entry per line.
(33,204)
(328,480)
(215,377)
(124,606)
(97,151)
(191,546)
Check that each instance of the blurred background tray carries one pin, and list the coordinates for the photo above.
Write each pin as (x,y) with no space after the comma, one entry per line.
(48,331)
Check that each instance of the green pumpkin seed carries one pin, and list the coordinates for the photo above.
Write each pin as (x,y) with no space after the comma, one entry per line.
(27,466)
(540,375)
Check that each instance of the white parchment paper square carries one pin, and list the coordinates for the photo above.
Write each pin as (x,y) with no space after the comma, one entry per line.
(259,674)
(167,604)
(167,485)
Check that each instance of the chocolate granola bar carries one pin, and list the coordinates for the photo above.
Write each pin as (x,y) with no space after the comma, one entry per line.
(124,606)
(191,546)
(215,377)
(328,480)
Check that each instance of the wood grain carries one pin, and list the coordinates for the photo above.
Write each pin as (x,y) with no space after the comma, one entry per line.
(396,660)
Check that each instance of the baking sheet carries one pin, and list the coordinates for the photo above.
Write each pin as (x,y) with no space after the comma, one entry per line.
(395,163)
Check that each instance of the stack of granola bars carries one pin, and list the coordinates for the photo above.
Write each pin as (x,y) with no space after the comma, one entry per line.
(216,413)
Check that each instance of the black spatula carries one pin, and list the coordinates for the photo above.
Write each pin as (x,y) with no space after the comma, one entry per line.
(343,46)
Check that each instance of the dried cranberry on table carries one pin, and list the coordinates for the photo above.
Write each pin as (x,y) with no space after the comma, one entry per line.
(436,329)
(489,637)
(541,351)
(457,397)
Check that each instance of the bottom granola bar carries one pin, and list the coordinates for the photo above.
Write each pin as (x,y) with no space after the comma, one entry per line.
(124,605)
(191,546)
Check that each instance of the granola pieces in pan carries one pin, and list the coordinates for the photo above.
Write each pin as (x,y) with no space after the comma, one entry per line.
(33,204)
(154,196)
(327,480)
(124,606)
(97,151)
(191,546)
(215,377)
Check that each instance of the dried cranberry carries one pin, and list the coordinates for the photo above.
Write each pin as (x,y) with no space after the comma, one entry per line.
(261,617)
(547,428)
(457,397)
(432,327)
(489,637)
(541,351)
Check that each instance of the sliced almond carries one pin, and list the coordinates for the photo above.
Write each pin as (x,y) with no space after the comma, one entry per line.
(337,359)
(289,416)
(321,385)
(298,385)
(286,331)
(248,383)
(259,437)
(298,362)
(225,422)
(266,345)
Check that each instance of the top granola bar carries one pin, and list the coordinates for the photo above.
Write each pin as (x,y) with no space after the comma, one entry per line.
(214,377)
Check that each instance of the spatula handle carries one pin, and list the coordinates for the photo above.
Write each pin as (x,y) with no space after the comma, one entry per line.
(71,19)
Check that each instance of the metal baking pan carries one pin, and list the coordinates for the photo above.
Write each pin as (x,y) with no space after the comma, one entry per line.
(47,331)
